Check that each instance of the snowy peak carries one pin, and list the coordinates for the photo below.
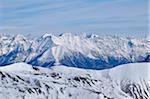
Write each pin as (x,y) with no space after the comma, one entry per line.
(69,42)
(17,67)
(47,35)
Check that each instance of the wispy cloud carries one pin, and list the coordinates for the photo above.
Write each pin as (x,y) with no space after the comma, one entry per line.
(40,16)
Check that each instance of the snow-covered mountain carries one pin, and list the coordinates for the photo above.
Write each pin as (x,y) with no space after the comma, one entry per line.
(83,51)
(22,81)
(22,75)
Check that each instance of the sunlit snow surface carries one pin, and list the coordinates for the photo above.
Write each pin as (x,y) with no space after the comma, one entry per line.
(22,81)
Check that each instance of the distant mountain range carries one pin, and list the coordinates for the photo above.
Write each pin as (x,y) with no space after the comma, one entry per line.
(82,51)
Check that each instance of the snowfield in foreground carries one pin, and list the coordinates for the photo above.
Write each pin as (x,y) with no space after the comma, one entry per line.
(22,81)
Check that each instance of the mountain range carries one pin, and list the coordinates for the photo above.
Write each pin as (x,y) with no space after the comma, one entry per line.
(82,51)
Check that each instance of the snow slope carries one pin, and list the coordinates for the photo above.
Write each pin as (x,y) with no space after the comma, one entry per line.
(83,51)
(22,81)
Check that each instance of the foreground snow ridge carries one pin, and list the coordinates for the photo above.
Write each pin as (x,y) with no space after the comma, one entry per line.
(82,51)
(22,81)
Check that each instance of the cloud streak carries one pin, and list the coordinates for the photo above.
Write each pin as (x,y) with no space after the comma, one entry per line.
(57,16)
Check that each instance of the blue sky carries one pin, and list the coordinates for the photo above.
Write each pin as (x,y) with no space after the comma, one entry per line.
(103,17)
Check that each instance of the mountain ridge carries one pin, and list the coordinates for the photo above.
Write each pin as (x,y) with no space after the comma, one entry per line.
(22,81)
